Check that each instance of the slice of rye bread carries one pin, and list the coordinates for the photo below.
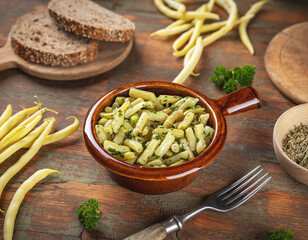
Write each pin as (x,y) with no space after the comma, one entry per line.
(90,20)
(37,38)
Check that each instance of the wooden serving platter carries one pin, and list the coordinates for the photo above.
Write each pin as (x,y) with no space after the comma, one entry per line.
(286,62)
(109,56)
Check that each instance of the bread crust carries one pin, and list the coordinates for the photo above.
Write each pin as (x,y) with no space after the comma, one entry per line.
(53,59)
(44,56)
(80,29)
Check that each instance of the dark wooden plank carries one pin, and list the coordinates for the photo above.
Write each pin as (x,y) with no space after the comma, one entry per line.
(48,211)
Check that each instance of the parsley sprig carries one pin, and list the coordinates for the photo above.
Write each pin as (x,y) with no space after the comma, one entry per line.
(88,213)
(279,235)
(230,79)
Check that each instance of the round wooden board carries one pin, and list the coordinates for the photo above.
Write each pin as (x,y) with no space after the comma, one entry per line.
(286,62)
(109,56)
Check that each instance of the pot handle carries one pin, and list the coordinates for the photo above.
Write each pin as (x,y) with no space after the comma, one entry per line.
(242,100)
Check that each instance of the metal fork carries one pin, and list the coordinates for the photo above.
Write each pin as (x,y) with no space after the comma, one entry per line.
(222,201)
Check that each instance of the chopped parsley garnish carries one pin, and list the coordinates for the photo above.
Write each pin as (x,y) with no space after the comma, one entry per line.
(157,137)
(129,134)
(174,108)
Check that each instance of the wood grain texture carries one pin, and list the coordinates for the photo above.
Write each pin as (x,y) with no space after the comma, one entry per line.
(48,211)
(108,57)
(286,61)
(156,231)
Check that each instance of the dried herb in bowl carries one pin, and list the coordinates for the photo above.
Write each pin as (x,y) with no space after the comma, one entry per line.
(295,145)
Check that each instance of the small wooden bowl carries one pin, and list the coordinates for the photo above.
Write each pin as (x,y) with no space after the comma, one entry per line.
(164,180)
(290,118)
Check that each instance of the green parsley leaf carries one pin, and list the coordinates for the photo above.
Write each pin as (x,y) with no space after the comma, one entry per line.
(230,79)
(279,235)
(88,213)
(174,108)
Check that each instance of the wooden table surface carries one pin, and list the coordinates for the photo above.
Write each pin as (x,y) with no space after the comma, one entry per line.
(49,209)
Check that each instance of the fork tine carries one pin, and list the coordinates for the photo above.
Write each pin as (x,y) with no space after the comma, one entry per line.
(237,182)
(242,185)
(246,190)
(250,194)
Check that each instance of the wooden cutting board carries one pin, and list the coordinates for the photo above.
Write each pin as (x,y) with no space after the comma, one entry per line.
(286,62)
(109,56)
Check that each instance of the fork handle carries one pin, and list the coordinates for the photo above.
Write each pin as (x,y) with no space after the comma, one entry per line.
(156,231)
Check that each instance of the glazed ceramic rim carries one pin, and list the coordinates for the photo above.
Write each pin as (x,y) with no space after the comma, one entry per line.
(138,172)
(284,114)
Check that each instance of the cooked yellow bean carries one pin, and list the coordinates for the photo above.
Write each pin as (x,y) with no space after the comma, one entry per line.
(154,163)
(187,15)
(165,145)
(107,115)
(119,117)
(16,119)
(191,138)
(101,135)
(176,115)
(200,135)
(119,137)
(114,148)
(131,161)
(204,118)
(21,143)
(115,105)
(145,95)
(5,178)
(138,100)
(148,152)
(189,103)
(132,110)
(169,153)
(197,110)
(120,100)
(108,110)
(142,121)
(163,99)
(176,158)
(6,114)
(177,163)
(126,126)
(186,121)
(10,216)
(162,131)
(103,121)
(243,26)
(145,130)
(186,147)
(134,145)
(108,127)
(209,133)
(175,147)
(156,116)
(127,156)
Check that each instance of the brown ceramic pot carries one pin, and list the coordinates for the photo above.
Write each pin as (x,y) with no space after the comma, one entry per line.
(168,179)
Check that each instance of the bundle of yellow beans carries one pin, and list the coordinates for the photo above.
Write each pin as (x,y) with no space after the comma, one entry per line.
(191,25)
(16,132)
